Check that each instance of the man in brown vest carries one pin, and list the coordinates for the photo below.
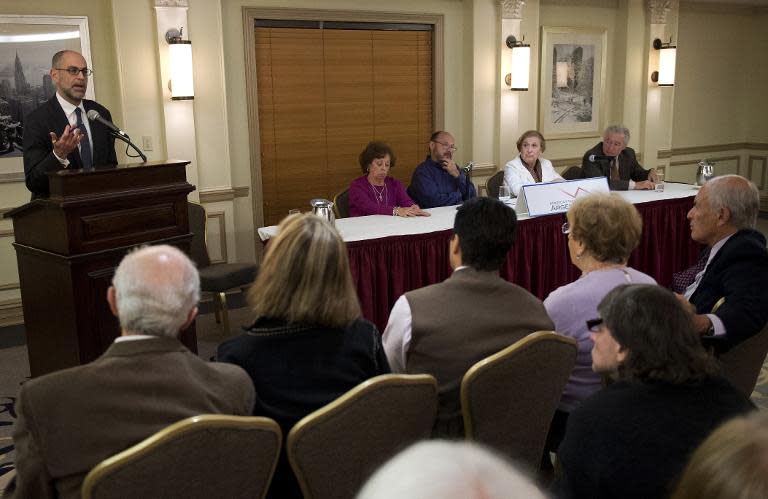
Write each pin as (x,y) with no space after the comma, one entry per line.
(445,328)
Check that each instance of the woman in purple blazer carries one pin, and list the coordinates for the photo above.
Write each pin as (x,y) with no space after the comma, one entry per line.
(376,193)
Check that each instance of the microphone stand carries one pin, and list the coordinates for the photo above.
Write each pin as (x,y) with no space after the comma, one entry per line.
(125,138)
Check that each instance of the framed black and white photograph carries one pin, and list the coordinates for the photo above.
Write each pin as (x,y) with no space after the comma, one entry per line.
(572,82)
(27,44)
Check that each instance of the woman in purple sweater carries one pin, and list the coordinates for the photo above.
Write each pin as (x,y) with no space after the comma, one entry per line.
(602,231)
(375,193)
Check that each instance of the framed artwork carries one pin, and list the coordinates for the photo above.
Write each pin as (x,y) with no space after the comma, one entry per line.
(27,44)
(572,82)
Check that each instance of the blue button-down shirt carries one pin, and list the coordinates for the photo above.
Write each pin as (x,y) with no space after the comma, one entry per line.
(432,186)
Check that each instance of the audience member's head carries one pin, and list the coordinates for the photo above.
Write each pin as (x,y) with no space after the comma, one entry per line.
(646,335)
(375,150)
(483,233)
(448,470)
(731,462)
(155,291)
(724,205)
(605,226)
(305,276)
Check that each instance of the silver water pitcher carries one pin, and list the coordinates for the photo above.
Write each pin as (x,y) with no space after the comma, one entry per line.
(705,172)
(323,209)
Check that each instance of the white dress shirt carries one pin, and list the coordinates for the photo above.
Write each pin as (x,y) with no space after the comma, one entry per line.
(69,111)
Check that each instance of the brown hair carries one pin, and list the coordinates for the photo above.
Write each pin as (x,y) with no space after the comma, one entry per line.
(531,133)
(731,462)
(607,225)
(305,276)
(375,149)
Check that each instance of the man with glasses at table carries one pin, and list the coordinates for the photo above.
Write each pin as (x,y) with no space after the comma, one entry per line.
(438,180)
(58,134)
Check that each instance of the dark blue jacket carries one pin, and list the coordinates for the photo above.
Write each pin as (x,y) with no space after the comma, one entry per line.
(432,186)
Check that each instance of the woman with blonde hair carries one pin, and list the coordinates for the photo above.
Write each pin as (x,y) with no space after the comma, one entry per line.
(308,344)
(731,462)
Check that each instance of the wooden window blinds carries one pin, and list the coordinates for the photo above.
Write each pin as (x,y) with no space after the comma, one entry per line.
(324,93)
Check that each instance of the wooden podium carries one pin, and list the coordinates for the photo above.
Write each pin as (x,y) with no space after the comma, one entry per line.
(68,246)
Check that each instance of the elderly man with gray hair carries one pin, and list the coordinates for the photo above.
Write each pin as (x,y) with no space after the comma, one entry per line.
(69,421)
(612,158)
(727,289)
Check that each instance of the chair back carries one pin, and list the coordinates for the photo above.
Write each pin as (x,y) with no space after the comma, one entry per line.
(573,172)
(741,364)
(493,183)
(197,248)
(341,204)
(199,457)
(508,399)
(335,449)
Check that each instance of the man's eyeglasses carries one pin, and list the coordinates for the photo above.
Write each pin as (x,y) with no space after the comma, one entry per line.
(73,70)
(449,146)
(593,325)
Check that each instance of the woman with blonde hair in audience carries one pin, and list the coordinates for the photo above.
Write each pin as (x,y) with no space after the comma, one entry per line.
(529,167)
(308,344)
(602,232)
(732,462)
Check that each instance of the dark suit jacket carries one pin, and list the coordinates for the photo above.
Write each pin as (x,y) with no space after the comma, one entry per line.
(629,168)
(71,420)
(38,150)
(738,272)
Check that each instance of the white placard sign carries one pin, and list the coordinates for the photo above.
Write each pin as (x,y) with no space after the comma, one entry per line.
(557,197)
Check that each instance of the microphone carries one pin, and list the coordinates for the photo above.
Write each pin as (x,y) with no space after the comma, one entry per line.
(468,167)
(593,157)
(94,115)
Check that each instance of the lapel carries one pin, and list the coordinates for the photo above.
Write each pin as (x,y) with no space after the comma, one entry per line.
(60,121)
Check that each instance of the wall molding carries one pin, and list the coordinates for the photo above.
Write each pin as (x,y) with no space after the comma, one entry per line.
(6,232)
(225,194)
(484,169)
(764,169)
(724,8)
(11,312)
(719,159)
(221,216)
(681,151)
(11,178)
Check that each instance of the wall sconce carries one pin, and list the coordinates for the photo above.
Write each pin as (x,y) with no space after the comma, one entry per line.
(520,65)
(180,56)
(665,76)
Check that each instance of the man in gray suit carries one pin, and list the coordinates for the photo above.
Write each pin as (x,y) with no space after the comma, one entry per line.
(445,328)
(71,420)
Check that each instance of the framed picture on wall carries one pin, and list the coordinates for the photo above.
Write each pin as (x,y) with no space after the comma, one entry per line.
(27,44)
(572,82)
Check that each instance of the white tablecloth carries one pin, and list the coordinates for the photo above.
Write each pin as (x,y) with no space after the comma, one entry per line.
(378,226)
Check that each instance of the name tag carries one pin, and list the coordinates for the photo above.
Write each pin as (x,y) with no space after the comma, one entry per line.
(557,197)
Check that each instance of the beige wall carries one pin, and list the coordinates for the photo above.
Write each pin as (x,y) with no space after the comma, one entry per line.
(719,98)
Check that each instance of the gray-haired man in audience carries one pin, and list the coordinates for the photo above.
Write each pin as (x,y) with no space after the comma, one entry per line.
(69,421)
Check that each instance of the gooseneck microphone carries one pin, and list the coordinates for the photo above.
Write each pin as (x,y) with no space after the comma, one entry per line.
(593,158)
(94,115)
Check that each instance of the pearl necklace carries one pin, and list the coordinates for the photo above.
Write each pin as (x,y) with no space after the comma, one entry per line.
(381,195)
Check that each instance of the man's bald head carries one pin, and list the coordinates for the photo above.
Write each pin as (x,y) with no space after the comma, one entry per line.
(155,291)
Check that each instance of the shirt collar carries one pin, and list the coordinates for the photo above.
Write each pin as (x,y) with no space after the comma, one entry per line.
(131,337)
(716,247)
(68,107)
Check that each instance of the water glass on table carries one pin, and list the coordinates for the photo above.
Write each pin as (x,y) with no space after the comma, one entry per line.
(505,196)
(659,186)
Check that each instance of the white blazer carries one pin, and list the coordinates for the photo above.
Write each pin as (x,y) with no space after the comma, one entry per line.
(516,174)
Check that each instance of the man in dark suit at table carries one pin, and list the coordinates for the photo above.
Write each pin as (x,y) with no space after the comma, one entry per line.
(445,328)
(612,158)
(58,134)
(69,421)
(731,275)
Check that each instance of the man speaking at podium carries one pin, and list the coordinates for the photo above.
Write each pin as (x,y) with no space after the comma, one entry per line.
(58,135)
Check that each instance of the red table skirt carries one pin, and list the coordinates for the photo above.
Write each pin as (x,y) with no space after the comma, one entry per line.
(385,268)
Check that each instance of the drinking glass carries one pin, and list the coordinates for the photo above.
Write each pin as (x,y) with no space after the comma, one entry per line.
(504,194)
(659,182)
